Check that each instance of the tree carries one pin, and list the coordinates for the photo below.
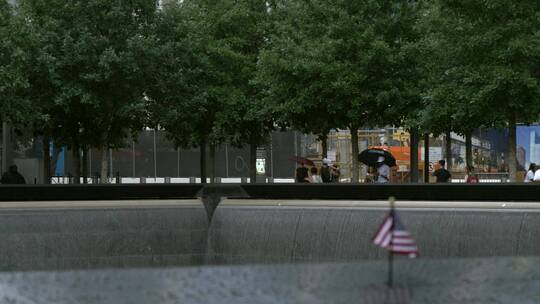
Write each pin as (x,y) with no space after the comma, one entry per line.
(240,31)
(5,16)
(11,59)
(25,86)
(447,104)
(89,52)
(204,92)
(183,98)
(491,50)
(339,62)
(290,67)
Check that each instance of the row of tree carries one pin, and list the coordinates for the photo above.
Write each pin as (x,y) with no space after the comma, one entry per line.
(91,74)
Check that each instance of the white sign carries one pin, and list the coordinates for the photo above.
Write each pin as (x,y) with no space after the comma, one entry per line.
(435,154)
(332,155)
(261,165)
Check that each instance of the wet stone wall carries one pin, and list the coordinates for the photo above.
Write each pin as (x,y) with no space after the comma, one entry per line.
(93,238)
(59,239)
(288,234)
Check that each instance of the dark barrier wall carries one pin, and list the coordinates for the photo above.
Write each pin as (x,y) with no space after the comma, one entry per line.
(415,192)
(278,234)
(96,192)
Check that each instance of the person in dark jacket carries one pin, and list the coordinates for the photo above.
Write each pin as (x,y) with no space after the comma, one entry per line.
(326,175)
(302,174)
(336,173)
(12,176)
(443,176)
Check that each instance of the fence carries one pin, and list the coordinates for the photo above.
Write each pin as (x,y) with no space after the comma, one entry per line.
(498,177)
(64,180)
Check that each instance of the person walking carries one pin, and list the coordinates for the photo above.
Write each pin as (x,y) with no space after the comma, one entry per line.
(383,171)
(326,175)
(301,174)
(536,178)
(12,176)
(314,178)
(371,175)
(336,173)
(529,176)
(471,177)
(442,175)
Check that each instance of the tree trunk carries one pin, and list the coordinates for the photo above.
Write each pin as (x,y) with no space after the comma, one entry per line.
(426,158)
(212,159)
(354,155)
(253,160)
(512,157)
(448,150)
(202,148)
(104,166)
(5,147)
(46,160)
(324,144)
(85,165)
(415,139)
(76,164)
(468,149)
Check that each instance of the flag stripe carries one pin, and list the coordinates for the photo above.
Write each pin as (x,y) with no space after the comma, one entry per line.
(403,248)
(401,233)
(402,241)
(383,230)
(393,237)
(386,240)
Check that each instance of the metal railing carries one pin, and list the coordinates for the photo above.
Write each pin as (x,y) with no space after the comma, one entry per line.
(488,177)
(65,180)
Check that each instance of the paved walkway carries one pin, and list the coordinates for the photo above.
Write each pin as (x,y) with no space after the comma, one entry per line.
(501,280)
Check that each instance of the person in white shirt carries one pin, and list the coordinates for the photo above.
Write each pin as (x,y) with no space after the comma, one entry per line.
(383,171)
(529,177)
(315,177)
(536,177)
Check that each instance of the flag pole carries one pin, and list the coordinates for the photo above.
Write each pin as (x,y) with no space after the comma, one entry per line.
(390,282)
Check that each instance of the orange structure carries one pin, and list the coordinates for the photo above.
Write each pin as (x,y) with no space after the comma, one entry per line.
(402,154)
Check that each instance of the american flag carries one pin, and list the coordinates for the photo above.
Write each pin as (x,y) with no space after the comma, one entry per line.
(393,236)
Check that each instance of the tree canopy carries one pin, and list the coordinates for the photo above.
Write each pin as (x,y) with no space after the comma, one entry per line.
(484,60)
(92,73)
(204,91)
(340,64)
(81,69)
